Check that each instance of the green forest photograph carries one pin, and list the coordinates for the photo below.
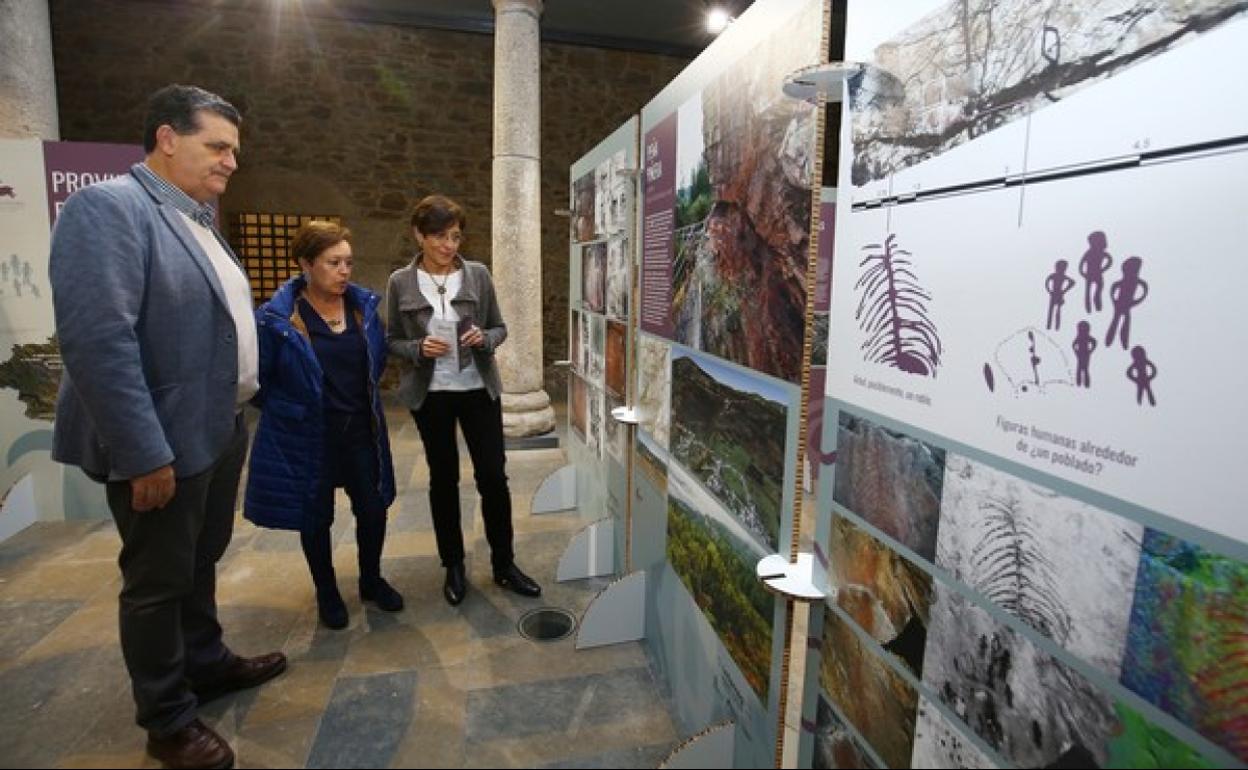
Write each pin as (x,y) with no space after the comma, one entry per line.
(715,558)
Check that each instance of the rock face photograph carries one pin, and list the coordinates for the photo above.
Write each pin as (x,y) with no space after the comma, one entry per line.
(594,277)
(1028,706)
(972,66)
(1063,567)
(891,480)
(886,595)
(578,407)
(714,555)
(651,460)
(616,433)
(835,744)
(729,430)
(620,206)
(584,209)
(596,429)
(743,207)
(596,367)
(654,387)
(876,700)
(617,361)
(1187,648)
(939,744)
(619,277)
(584,345)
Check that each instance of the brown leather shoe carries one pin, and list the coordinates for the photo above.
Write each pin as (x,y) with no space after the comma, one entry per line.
(195,745)
(240,674)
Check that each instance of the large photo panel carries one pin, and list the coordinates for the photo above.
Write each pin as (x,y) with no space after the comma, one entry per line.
(727,203)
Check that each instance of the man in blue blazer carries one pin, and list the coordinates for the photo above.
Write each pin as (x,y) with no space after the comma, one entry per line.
(156,330)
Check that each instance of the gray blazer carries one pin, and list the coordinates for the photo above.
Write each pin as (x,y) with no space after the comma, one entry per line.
(151,363)
(407,325)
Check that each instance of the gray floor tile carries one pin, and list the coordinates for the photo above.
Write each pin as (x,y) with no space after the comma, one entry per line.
(365,721)
(552,706)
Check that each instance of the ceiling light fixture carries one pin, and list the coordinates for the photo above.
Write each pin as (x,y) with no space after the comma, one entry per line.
(717,19)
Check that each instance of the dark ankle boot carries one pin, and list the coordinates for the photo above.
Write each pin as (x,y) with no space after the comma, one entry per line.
(381,592)
(332,609)
(456,584)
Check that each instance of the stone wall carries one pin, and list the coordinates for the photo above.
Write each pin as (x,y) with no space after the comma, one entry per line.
(360,120)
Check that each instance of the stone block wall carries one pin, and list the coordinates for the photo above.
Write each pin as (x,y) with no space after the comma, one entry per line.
(349,118)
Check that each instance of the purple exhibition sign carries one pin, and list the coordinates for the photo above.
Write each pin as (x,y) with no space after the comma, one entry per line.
(70,166)
(659,211)
(823,262)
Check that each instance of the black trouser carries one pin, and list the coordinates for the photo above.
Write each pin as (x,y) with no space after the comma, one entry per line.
(350,460)
(481,420)
(168,607)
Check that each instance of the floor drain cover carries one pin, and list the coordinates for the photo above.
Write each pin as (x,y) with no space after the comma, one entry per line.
(546,624)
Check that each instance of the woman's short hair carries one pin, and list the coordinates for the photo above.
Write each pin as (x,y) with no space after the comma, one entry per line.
(314,237)
(436,214)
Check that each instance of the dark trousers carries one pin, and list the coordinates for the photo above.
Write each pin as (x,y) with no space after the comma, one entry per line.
(168,607)
(350,461)
(481,420)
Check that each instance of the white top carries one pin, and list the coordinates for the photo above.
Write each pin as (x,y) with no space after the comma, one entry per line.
(446,372)
(238,295)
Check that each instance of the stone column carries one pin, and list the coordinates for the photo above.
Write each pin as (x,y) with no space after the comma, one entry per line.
(517,235)
(27,78)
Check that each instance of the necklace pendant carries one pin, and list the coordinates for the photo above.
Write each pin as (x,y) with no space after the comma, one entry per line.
(441,290)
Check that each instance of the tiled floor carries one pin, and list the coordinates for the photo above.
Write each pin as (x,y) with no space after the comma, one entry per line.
(432,686)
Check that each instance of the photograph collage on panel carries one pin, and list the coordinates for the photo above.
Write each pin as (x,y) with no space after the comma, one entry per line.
(1012,400)
(602,218)
(727,173)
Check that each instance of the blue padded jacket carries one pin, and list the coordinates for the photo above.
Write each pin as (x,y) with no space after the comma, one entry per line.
(286,455)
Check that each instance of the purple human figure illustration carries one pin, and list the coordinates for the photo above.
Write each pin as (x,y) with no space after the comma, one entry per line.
(1125,294)
(1057,284)
(1142,372)
(1084,344)
(1096,260)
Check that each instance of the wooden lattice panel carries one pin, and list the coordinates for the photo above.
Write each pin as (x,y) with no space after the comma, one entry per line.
(261,242)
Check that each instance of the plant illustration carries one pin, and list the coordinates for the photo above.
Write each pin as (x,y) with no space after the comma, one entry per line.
(893,312)
(1009,568)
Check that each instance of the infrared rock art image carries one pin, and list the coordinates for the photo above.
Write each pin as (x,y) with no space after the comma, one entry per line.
(1063,567)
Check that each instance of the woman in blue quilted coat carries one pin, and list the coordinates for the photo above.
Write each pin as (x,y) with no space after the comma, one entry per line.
(322,351)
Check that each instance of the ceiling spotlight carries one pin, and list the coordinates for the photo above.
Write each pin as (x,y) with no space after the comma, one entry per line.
(716,20)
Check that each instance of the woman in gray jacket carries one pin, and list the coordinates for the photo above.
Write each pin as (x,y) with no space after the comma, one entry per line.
(442,316)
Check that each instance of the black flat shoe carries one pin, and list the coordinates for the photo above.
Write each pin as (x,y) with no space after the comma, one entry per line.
(513,579)
(383,594)
(456,585)
(332,609)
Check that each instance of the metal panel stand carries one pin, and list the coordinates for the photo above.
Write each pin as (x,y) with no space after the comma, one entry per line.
(618,614)
(591,552)
(557,492)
